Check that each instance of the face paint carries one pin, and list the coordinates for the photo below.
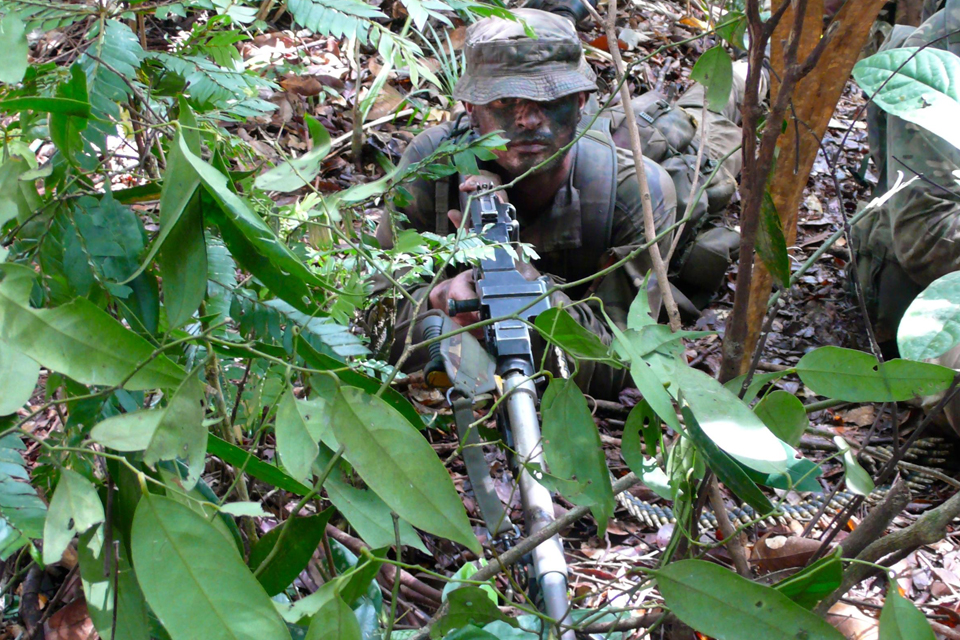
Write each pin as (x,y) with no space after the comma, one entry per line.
(536,130)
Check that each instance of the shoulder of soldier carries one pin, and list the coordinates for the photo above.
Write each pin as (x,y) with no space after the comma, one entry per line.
(941,23)
(662,192)
(426,143)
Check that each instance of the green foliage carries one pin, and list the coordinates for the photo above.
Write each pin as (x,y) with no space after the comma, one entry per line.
(23,513)
(856,477)
(291,558)
(771,244)
(814,582)
(571,445)
(714,71)
(916,85)
(75,507)
(931,325)
(901,620)
(722,605)
(784,415)
(13,49)
(180,557)
(854,376)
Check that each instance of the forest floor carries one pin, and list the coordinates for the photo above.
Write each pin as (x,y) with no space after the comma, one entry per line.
(819,311)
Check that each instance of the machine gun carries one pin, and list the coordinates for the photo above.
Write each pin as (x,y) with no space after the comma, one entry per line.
(504,366)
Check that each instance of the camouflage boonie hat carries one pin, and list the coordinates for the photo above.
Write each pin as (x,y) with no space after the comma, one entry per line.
(504,62)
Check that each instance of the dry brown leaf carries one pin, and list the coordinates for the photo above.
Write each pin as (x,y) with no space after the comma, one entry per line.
(70,623)
(458,37)
(782,552)
(301,85)
(861,416)
(696,23)
(853,623)
(386,103)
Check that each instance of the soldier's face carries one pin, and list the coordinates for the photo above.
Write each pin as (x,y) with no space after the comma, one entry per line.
(536,130)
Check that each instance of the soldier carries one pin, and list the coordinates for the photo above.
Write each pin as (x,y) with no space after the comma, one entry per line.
(914,237)
(580,211)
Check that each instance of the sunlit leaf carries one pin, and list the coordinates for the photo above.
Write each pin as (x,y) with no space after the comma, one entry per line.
(297,173)
(856,477)
(75,507)
(931,325)
(714,70)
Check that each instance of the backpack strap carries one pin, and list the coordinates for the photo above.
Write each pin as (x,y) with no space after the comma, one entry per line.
(441,194)
(595,176)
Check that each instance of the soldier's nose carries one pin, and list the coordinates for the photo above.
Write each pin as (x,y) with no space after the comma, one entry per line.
(529,115)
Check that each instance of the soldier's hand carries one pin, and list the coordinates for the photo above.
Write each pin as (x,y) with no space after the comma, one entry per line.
(460,287)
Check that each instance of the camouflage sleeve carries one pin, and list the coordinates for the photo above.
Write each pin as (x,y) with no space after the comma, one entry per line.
(924,217)
(619,288)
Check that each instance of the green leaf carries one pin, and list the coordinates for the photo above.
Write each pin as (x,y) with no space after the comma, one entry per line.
(221,278)
(464,573)
(75,507)
(730,424)
(919,86)
(369,515)
(65,129)
(469,605)
(559,327)
(771,244)
(572,447)
(181,558)
(78,339)
(399,465)
(251,241)
(857,479)
(295,174)
(729,473)
(642,419)
(274,476)
(132,621)
(334,621)
(733,29)
(298,427)
(855,376)
(112,236)
(815,582)
(721,604)
(18,378)
(173,431)
(931,325)
(22,510)
(298,546)
(784,415)
(901,620)
(18,198)
(714,71)
(639,314)
(757,383)
(644,377)
(13,49)
(61,106)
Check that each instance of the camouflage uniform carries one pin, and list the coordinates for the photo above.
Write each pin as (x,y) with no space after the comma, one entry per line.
(914,238)
(569,234)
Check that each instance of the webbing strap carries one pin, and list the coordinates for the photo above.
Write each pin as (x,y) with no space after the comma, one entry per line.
(494,515)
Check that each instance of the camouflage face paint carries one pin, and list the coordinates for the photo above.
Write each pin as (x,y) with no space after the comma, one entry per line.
(536,130)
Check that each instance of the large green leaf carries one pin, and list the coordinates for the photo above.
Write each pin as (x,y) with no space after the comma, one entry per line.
(334,621)
(572,447)
(221,278)
(931,325)
(298,427)
(726,469)
(112,238)
(784,415)
(297,173)
(18,378)
(855,376)
(117,588)
(251,241)
(815,582)
(18,198)
(180,558)
(559,327)
(626,344)
(901,620)
(920,86)
(369,515)
(729,423)
(642,420)
(167,433)
(13,49)
(399,465)
(725,606)
(298,546)
(75,507)
(714,70)
(78,339)
(771,244)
